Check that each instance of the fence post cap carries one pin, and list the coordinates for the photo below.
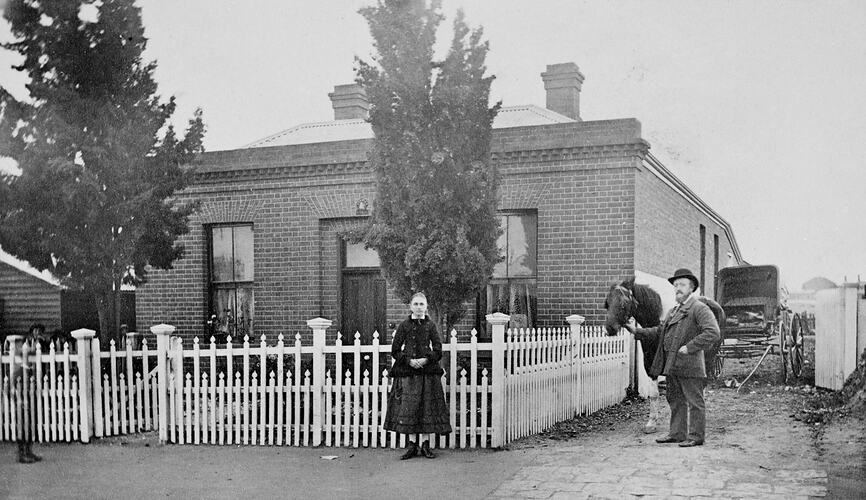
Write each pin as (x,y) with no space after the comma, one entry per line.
(575,319)
(83,333)
(319,323)
(498,318)
(162,329)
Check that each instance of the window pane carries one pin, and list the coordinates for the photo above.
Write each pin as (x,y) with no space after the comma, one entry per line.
(222,254)
(500,270)
(358,256)
(522,245)
(224,308)
(233,308)
(517,299)
(243,236)
(245,309)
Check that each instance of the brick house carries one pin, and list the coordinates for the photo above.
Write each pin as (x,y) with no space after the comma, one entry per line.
(583,204)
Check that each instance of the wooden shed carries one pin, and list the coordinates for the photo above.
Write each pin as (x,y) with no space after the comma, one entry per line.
(840,333)
(26,297)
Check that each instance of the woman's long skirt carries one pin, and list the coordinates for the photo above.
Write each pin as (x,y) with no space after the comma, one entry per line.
(416,405)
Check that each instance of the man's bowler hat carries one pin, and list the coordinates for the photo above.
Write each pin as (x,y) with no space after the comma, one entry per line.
(685,273)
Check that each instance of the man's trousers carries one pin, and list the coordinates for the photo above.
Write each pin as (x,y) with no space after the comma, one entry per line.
(688,413)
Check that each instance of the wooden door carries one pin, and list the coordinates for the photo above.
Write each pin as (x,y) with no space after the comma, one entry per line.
(363,306)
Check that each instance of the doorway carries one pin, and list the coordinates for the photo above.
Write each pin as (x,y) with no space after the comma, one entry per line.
(363,294)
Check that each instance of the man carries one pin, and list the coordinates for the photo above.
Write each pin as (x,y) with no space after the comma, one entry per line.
(688,329)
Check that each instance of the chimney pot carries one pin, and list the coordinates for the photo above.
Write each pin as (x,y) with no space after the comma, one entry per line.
(349,102)
(562,83)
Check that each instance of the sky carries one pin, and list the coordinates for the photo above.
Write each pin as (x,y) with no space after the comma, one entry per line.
(758,106)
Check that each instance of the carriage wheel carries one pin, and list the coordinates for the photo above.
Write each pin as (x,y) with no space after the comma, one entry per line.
(795,346)
(783,327)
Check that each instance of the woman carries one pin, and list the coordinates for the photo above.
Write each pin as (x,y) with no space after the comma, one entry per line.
(416,404)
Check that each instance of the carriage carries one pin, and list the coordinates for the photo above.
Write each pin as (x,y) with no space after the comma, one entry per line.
(758,320)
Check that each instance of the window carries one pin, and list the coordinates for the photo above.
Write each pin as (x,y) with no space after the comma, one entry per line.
(703,276)
(512,289)
(355,255)
(715,266)
(231,279)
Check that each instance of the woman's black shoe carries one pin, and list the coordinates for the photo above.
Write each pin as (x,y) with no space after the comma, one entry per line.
(425,450)
(411,451)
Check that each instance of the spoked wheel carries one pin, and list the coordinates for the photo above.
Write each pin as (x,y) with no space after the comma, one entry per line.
(783,328)
(795,346)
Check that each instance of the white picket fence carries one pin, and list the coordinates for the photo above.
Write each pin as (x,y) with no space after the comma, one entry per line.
(290,394)
(40,401)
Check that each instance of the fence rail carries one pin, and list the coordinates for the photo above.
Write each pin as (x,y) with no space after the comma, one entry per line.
(290,394)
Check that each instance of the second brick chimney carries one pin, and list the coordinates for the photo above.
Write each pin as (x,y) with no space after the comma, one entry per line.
(349,102)
(562,83)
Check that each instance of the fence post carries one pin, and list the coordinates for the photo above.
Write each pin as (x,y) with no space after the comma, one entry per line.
(498,377)
(576,344)
(83,339)
(96,388)
(162,332)
(318,325)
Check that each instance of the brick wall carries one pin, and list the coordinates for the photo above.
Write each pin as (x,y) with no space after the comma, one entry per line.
(585,181)
(667,232)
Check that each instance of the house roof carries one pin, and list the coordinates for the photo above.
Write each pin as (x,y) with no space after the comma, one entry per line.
(26,268)
(345,130)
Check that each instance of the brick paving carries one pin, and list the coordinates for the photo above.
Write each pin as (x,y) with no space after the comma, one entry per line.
(634,466)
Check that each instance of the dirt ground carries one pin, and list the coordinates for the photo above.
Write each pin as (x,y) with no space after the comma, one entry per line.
(764,431)
(770,424)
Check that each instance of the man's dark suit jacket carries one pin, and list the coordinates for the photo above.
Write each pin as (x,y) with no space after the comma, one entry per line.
(693,325)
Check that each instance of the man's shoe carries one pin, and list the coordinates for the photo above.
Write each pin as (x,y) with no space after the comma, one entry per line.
(411,451)
(690,443)
(668,439)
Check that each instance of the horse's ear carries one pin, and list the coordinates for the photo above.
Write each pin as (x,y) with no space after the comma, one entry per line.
(629,283)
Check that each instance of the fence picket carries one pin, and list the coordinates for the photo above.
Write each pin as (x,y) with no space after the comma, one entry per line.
(130,388)
(203,432)
(281,351)
(254,407)
(122,408)
(271,425)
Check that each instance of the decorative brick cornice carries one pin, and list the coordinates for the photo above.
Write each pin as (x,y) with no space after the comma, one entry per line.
(639,149)
(340,169)
(282,172)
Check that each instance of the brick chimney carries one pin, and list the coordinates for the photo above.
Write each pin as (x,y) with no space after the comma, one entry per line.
(349,102)
(562,83)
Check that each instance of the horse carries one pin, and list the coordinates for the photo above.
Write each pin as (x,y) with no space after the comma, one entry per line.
(630,300)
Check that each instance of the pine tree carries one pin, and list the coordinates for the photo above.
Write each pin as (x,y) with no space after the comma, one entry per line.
(434,221)
(99,163)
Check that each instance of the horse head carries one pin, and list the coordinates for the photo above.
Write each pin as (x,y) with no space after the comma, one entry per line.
(621,305)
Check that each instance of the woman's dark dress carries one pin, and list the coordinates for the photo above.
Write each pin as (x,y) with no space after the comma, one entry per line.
(416,403)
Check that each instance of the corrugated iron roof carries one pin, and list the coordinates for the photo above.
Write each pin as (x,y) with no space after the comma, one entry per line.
(345,130)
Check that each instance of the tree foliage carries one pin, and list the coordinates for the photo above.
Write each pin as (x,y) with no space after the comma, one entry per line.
(434,221)
(99,162)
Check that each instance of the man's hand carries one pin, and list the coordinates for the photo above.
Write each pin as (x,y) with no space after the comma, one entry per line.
(631,326)
(683,350)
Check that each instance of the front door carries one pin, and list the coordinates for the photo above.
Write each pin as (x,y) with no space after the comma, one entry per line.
(363,295)
(363,306)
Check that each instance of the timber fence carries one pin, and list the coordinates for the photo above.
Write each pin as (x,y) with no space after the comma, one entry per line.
(288,394)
